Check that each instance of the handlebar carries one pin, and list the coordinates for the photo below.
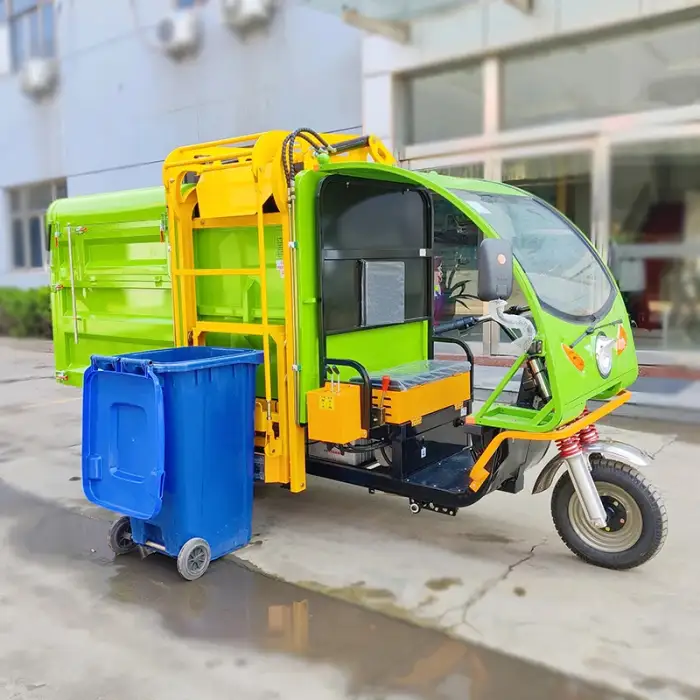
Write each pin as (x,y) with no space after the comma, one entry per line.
(467,322)
(517,310)
(463,324)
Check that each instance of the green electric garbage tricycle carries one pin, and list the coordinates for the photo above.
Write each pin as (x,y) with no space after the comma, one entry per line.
(322,252)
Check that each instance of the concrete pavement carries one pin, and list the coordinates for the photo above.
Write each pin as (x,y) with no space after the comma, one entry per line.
(76,622)
(497,574)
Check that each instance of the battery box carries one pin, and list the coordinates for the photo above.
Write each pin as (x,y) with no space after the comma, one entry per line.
(334,414)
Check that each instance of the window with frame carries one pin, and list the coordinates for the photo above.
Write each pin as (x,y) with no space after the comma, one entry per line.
(443,104)
(656,67)
(28,207)
(32,29)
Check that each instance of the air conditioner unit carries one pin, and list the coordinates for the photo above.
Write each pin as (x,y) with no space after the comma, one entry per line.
(39,77)
(180,34)
(244,15)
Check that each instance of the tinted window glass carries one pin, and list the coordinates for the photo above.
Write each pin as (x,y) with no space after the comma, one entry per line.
(369,215)
(36,242)
(416,288)
(373,221)
(341,294)
(19,258)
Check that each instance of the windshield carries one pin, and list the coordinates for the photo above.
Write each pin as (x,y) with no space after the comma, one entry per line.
(565,273)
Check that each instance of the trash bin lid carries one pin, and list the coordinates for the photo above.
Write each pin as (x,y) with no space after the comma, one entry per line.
(123,442)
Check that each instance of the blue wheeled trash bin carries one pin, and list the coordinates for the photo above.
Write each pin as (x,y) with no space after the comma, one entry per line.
(168,443)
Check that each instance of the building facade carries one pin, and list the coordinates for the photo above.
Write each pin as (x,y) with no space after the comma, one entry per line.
(594,106)
(121,102)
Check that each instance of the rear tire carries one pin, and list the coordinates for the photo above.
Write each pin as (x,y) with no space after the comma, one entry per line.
(637,520)
(120,539)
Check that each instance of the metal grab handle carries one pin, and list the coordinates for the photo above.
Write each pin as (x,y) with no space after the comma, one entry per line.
(365,390)
(470,358)
(74,301)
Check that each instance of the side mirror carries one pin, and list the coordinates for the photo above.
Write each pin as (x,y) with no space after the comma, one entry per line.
(495,270)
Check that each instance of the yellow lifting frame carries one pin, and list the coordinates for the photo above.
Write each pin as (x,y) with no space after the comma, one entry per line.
(236,177)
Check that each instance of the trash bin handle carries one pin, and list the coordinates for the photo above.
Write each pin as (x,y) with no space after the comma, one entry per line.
(106,363)
(123,365)
(130,365)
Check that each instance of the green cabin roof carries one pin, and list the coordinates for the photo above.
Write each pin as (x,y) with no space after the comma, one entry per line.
(472,184)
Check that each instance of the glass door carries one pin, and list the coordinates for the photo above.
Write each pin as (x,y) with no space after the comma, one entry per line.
(654,248)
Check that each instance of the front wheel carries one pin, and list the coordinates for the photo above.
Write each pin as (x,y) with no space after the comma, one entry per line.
(637,522)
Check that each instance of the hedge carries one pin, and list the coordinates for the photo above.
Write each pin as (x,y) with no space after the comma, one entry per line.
(25,313)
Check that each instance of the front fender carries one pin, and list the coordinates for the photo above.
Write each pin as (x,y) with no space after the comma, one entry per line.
(546,476)
(610,449)
(621,452)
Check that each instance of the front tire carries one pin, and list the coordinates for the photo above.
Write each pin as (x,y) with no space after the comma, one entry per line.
(637,520)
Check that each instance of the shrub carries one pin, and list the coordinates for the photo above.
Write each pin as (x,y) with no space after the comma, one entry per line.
(25,313)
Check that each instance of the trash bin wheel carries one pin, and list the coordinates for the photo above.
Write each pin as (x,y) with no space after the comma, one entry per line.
(120,540)
(193,559)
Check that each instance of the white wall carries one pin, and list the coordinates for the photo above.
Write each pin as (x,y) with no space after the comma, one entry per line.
(122,105)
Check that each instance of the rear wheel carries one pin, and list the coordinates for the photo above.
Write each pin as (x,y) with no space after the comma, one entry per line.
(637,522)
(120,539)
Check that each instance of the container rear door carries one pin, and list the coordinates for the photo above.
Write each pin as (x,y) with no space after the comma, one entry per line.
(123,442)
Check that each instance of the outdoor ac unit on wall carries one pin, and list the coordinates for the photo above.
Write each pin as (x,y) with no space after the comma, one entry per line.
(39,77)
(180,34)
(244,15)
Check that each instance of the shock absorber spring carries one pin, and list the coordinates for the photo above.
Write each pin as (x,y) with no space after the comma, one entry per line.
(589,434)
(569,447)
(579,470)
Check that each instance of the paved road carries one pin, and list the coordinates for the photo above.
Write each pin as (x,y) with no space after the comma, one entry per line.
(496,575)
(76,623)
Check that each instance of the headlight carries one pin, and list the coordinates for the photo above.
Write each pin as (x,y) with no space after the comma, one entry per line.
(604,347)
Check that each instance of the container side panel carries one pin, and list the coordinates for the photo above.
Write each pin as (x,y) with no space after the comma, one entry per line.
(114,273)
